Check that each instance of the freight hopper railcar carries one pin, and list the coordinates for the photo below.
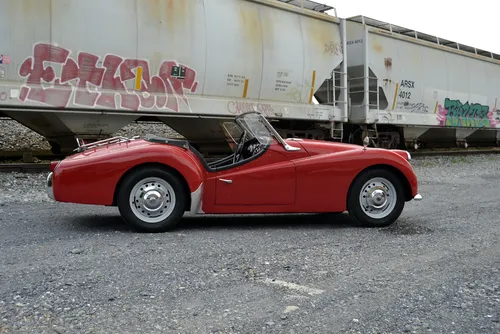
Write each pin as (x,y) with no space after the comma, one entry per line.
(85,69)
(420,89)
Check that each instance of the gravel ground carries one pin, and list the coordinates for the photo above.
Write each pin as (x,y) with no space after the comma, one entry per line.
(15,136)
(78,269)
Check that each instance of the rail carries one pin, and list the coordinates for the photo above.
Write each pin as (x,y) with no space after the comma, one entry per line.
(24,168)
(454,152)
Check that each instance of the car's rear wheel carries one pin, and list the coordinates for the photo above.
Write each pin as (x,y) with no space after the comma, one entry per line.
(151,200)
(376,198)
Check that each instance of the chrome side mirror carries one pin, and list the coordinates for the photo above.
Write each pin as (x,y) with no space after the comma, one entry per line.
(366,142)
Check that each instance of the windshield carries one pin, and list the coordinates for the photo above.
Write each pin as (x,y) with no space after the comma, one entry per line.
(250,126)
(233,133)
(255,126)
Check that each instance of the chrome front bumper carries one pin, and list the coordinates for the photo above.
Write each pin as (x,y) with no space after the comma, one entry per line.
(50,188)
(417,197)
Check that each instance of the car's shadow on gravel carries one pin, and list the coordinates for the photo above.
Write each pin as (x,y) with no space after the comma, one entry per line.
(293,221)
(405,226)
(111,223)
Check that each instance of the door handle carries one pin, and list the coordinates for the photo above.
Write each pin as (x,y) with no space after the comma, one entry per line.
(227,181)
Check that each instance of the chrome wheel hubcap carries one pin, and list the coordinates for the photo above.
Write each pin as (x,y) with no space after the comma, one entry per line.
(378,198)
(152,200)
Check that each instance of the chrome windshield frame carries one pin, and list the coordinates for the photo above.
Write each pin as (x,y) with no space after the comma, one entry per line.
(272,131)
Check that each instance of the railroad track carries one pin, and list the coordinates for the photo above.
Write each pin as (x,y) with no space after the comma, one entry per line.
(24,167)
(454,152)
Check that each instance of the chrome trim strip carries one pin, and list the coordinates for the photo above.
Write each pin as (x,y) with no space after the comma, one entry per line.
(196,201)
(50,188)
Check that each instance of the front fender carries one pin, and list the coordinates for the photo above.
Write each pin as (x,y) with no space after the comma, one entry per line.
(398,160)
(323,181)
(92,177)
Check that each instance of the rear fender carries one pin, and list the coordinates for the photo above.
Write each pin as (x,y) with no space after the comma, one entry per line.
(93,179)
(190,174)
(181,160)
(164,166)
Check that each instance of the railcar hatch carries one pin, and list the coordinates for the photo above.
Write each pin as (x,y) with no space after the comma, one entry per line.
(308,4)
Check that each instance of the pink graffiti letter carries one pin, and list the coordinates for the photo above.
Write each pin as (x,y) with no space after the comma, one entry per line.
(441,116)
(152,89)
(34,69)
(112,85)
(177,78)
(86,71)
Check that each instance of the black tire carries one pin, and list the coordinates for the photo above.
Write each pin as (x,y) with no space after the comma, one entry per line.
(164,182)
(382,177)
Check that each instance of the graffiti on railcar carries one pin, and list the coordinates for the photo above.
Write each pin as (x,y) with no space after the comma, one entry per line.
(94,85)
(5,59)
(456,113)
(417,107)
(237,108)
(333,48)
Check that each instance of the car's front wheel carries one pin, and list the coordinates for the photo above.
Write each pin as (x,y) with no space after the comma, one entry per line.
(376,198)
(151,200)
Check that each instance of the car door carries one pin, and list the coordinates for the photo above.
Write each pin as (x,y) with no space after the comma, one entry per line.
(268,180)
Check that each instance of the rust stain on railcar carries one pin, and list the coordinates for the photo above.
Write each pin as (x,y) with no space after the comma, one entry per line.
(172,21)
(388,63)
(171,13)
(19,9)
(388,68)
(154,10)
(177,13)
(249,16)
(377,48)
(325,40)
(32,6)
(61,8)
(375,44)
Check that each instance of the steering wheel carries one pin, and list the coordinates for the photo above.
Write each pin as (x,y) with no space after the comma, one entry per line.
(239,147)
(248,151)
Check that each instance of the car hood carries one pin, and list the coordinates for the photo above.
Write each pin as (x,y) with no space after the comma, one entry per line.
(315,147)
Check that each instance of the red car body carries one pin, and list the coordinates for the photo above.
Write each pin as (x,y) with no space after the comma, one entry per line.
(287,176)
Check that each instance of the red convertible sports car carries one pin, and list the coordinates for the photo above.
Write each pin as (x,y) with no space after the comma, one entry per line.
(153,181)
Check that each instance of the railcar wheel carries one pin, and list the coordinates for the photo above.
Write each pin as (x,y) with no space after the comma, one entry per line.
(376,198)
(151,200)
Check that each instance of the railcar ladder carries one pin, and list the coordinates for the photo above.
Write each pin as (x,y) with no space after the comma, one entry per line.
(373,133)
(336,128)
(369,129)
